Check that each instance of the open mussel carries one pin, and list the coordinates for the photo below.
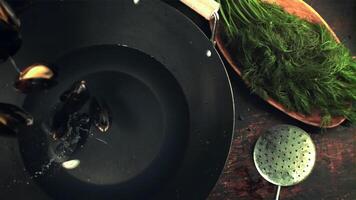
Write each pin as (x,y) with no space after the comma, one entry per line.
(12,118)
(100,115)
(36,77)
(10,38)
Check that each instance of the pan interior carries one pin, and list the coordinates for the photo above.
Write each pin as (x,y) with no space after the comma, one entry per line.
(145,144)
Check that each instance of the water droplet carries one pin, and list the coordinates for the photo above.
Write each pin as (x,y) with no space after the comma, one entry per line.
(208,53)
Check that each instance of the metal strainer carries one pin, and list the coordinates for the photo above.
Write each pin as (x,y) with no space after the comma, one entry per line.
(284,155)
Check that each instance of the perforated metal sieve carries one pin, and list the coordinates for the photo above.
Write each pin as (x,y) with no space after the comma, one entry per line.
(284,155)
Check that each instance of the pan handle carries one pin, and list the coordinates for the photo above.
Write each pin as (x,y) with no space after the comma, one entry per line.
(207,9)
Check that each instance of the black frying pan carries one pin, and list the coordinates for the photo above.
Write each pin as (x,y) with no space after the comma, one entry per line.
(170,103)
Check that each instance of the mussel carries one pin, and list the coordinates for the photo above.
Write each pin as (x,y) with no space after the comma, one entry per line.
(76,97)
(10,38)
(72,101)
(7,126)
(100,114)
(35,78)
(78,90)
(75,133)
(12,118)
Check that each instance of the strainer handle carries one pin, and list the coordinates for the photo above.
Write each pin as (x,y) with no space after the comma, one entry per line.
(278,191)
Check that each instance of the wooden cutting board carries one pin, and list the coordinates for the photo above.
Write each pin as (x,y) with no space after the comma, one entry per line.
(304,11)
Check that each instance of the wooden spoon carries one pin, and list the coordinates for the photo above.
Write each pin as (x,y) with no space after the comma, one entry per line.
(301,9)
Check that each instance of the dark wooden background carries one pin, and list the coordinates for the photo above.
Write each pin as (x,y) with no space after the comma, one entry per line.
(334,175)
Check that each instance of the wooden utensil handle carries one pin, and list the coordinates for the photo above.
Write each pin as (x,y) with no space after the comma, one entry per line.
(206,8)
(3,14)
(8,15)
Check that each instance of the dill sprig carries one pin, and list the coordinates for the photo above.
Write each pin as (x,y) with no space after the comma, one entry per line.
(295,62)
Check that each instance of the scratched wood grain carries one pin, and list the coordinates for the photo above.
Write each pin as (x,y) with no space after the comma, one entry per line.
(334,175)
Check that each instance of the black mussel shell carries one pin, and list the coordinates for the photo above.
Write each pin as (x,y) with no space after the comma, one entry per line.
(10,38)
(33,85)
(100,115)
(16,113)
(75,132)
(12,118)
(77,89)
(59,126)
(36,77)
(72,101)
(75,98)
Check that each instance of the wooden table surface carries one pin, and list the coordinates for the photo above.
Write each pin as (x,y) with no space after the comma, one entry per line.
(334,175)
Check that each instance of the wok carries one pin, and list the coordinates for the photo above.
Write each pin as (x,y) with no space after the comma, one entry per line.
(166,88)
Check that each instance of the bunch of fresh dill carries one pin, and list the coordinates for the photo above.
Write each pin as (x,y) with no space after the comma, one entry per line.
(295,62)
